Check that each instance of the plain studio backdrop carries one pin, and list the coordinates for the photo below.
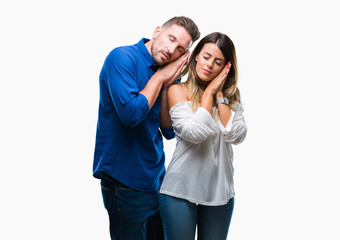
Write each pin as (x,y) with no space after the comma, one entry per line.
(286,171)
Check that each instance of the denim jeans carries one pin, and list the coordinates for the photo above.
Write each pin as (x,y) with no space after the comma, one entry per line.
(180,218)
(133,214)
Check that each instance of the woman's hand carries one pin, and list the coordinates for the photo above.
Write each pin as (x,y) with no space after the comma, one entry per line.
(216,85)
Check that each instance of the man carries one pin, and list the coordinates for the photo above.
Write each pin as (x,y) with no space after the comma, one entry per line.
(133,116)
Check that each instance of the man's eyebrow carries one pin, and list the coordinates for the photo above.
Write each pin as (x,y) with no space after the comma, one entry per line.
(170,35)
(182,47)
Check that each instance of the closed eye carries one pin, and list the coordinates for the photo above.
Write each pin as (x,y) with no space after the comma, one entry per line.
(181,50)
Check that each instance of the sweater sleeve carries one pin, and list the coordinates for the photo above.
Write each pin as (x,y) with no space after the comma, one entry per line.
(168,133)
(189,126)
(120,74)
(236,129)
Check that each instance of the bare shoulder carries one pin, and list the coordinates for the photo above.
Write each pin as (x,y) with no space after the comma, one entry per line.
(177,93)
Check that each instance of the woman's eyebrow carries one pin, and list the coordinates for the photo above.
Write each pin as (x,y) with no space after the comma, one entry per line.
(211,55)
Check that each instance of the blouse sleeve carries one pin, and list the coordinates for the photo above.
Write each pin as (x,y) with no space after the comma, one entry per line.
(193,127)
(236,129)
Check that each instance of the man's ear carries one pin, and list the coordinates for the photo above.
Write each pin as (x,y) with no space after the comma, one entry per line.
(157,31)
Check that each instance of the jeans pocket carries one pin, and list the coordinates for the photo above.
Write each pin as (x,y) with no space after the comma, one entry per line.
(125,188)
(136,206)
(105,194)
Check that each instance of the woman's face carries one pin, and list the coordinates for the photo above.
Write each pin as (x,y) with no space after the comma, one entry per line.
(210,61)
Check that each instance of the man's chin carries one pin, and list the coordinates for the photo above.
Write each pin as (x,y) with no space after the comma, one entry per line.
(160,62)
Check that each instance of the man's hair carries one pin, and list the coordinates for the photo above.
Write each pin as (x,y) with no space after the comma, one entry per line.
(187,23)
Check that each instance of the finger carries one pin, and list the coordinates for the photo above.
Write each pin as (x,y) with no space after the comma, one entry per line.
(181,60)
(227,68)
(227,71)
(223,74)
(185,56)
(179,70)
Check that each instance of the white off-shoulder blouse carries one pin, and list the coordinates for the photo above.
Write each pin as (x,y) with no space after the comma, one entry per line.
(201,169)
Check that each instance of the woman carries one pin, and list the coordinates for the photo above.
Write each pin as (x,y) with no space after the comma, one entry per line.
(207,118)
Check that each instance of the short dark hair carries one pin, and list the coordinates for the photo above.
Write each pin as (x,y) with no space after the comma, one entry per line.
(187,23)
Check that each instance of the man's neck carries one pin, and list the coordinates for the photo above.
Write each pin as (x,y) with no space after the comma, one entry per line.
(148,45)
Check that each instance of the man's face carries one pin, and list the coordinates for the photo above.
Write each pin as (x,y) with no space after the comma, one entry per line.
(169,44)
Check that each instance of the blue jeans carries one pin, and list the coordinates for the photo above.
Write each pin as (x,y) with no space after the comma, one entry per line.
(180,218)
(133,214)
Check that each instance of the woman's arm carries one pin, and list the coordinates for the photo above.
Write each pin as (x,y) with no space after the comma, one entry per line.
(223,109)
(190,126)
(236,131)
(177,93)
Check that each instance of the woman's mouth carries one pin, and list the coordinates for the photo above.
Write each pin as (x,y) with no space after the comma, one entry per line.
(206,71)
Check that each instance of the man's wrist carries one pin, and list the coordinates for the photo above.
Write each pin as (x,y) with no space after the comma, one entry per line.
(164,88)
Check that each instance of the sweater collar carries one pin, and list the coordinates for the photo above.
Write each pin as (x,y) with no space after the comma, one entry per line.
(145,53)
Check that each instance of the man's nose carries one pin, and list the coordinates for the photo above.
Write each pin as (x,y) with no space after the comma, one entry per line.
(172,49)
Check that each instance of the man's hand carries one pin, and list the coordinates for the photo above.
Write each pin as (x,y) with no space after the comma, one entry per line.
(170,72)
(164,77)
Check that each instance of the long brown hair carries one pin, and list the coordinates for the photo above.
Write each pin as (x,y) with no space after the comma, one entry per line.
(230,89)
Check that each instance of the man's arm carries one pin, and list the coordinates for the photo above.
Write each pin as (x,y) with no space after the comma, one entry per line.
(165,76)
(166,122)
(131,104)
(119,74)
(165,116)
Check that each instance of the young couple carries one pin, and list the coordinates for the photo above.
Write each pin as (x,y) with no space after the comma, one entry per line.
(139,104)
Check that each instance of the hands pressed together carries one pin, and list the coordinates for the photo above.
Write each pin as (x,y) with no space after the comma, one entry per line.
(216,85)
(169,73)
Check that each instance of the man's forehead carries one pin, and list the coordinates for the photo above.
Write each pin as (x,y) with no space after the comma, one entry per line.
(176,30)
(181,34)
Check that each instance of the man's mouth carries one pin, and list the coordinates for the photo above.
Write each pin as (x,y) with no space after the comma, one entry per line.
(166,55)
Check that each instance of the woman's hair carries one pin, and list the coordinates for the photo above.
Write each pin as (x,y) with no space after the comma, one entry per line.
(230,89)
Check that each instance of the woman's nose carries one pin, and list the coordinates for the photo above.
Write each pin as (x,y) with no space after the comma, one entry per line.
(209,63)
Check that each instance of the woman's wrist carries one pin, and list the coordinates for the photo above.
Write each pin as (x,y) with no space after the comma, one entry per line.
(219,95)
(220,98)
(209,92)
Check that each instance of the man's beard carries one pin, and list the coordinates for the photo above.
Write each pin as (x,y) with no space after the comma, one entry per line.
(154,53)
